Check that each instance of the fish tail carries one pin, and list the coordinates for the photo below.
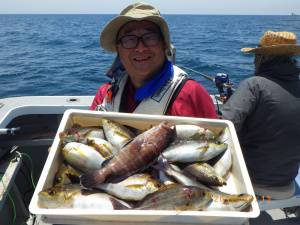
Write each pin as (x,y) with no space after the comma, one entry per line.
(91,179)
(223,181)
(162,163)
(63,136)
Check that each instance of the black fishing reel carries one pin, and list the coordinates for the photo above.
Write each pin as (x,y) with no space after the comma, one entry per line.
(223,82)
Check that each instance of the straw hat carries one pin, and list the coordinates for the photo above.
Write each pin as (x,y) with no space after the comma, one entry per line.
(134,12)
(276,43)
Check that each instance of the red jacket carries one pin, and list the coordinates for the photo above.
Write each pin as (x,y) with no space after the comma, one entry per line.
(193,101)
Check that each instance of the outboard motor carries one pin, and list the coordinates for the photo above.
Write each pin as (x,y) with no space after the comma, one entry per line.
(222,81)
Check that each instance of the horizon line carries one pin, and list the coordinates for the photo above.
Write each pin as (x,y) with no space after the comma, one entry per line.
(82,13)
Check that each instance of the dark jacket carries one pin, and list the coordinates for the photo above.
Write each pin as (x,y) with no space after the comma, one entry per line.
(266,113)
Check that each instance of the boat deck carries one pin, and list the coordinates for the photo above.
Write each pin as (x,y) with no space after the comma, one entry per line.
(37,145)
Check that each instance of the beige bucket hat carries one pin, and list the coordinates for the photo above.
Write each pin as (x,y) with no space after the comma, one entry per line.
(134,12)
(276,43)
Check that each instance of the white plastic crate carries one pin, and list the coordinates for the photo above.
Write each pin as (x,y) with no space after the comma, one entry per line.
(238,182)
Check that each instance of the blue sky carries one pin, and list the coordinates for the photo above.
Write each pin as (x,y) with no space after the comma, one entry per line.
(241,7)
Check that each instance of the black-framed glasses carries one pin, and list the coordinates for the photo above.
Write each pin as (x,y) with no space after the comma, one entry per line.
(131,41)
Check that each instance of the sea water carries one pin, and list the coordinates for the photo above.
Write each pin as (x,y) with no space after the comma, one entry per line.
(60,54)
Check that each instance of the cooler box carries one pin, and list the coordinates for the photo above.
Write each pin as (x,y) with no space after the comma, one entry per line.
(238,182)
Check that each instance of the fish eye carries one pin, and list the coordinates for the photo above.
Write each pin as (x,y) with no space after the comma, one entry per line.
(225,201)
(51,192)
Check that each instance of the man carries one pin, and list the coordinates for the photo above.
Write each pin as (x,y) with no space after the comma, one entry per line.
(265,110)
(143,79)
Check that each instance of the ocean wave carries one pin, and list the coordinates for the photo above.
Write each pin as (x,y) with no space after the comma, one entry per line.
(60,54)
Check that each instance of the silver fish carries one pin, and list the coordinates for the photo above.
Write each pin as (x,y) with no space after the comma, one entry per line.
(177,174)
(134,188)
(174,197)
(205,174)
(229,202)
(138,155)
(66,175)
(193,132)
(105,148)
(72,196)
(220,200)
(193,151)
(82,157)
(224,164)
(224,135)
(80,134)
(117,134)
(164,178)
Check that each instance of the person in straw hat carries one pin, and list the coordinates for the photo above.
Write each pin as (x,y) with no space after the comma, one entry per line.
(143,78)
(265,110)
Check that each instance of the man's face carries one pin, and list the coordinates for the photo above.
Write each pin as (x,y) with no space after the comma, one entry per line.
(141,61)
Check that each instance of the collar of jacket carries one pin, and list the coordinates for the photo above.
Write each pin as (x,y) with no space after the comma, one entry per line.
(158,81)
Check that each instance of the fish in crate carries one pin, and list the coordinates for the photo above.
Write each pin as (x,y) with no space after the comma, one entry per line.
(167,167)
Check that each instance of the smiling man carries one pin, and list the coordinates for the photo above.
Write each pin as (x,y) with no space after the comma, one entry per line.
(143,79)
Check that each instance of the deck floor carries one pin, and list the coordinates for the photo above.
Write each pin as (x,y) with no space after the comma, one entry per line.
(275,217)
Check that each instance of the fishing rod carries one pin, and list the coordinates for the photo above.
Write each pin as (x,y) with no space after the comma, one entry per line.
(226,85)
(202,74)
(221,79)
